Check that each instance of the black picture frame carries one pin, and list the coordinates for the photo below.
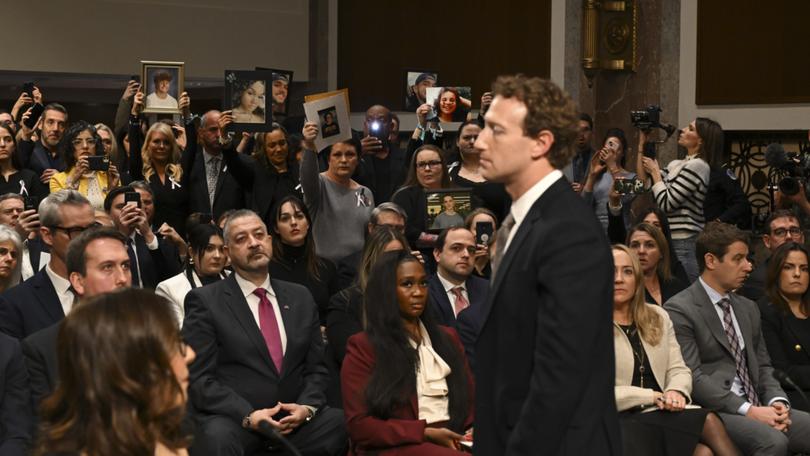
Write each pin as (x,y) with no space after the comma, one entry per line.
(406,84)
(247,118)
(434,208)
(277,74)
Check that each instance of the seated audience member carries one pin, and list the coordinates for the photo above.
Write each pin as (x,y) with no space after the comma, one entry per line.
(205,264)
(606,167)
(35,254)
(15,178)
(81,141)
(651,374)
(467,173)
(159,160)
(383,164)
(785,309)
(294,256)
(652,250)
(153,258)
(10,252)
(457,297)
(340,207)
(121,362)
(115,153)
(782,226)
(483,252)
(259,355)
(428,171)
(721,338)
(617,232)
(269,174)
(345,316)
(215,187)
(97,262)
(43,157)
(406,385)
(384,215)
(15,405)
(46,297)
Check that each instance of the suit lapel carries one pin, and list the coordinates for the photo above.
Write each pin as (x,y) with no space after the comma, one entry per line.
(46,294)
(444,308)
(220,179)
(239,306)
(709,314)
(287,315)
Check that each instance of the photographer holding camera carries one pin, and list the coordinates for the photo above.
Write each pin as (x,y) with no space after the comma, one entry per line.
(598,184)
(680,189)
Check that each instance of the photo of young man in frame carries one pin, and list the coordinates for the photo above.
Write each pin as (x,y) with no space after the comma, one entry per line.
(163,84)
(416,84)
(447,208)
(280,90)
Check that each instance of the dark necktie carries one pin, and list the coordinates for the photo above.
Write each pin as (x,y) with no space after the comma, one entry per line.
(500,241)
(134,267)
(269,327)
(739,359)
(212,174)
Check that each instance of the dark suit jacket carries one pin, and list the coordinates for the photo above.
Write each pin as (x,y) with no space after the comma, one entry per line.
(367,432)
(469,321)
(157,265)
(233,373)
(545,374)
(788,342)
(707,352)
(30,306)
(15,415)
(39,350)
(36,157)
(228,194)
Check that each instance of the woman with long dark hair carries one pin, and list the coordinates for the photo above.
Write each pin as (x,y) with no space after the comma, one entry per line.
(406,385)
(294,256)
(652,250)
(205,264)
(16,179)
(785,311)
(123,380)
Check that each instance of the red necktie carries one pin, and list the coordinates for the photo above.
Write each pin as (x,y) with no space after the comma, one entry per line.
(269,327)
(461,302)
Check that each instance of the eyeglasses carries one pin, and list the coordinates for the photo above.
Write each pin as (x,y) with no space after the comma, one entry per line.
(428,164)
(74,231)
(79,141)
(782,232)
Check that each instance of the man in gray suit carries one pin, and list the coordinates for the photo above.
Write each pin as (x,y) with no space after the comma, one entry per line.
(721,340)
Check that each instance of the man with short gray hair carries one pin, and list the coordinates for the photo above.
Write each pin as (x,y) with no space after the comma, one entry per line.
(47,297)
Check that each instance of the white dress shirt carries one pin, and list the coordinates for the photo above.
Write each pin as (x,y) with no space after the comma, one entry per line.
(521,206)
(248,288)
(448,288)
(62,287)
(736,387)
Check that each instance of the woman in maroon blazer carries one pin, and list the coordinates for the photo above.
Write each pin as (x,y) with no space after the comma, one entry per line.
(416,398)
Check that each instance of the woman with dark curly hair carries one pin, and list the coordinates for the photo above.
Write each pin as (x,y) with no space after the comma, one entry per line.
(450,106)
(406,385)
(81,140)
(123,379)
(248,102)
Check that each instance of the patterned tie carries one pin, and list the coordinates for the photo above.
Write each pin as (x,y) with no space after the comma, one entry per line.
(134,267)
(461,302)
(269,327)
(739,359)
(500,241)
(212,174)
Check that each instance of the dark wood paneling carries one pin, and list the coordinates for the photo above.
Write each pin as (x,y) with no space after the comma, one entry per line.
(753,52)
(469,43)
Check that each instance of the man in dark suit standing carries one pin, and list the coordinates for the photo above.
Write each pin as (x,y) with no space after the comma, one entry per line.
(46,297)
(97,262)
(545,374)
(214,190)
(153,259)
(259,355)
(721,339)
(456,297)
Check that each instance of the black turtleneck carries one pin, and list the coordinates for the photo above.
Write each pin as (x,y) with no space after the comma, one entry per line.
(292,267)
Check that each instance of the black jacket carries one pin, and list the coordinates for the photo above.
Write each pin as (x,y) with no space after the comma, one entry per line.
(30,306)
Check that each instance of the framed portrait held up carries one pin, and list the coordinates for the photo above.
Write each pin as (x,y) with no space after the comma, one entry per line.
(450,104)
(416,84)
(162,82)
(280,89)
(331,113)
(245,96)
(447,208)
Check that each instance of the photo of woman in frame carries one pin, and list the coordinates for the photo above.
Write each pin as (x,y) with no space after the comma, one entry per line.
(248,101)
(329,122)
(450,106)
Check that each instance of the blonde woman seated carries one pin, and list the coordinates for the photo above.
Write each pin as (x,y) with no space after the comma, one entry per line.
(652,381)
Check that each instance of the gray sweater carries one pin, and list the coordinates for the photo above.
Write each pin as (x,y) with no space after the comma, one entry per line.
(339,214)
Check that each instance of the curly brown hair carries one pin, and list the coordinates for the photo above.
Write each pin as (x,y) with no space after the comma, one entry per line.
(117,392)
(548,107)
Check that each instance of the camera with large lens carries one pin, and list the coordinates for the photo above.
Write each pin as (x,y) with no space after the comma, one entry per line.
(793,168)
(649,118)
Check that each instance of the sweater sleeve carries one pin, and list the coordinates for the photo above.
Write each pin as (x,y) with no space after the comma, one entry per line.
(686,188)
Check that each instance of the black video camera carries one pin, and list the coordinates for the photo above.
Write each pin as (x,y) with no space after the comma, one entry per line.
(650,118)
(793,167)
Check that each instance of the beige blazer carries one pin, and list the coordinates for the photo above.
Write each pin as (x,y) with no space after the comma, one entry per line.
(666,361)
